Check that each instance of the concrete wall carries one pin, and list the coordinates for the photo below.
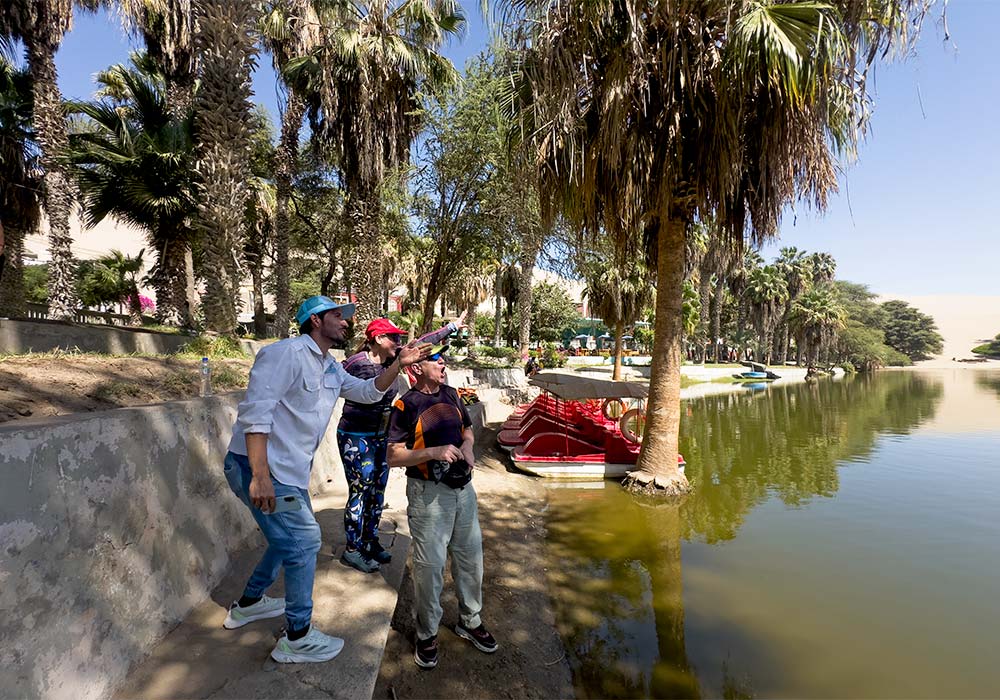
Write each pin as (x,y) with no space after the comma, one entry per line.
(42,336)
(112,527)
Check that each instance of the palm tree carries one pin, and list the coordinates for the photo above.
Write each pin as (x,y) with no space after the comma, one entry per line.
(767,292)
(226,53)
(166,28)
(20,181)
(795,267)
(618,297)
(816,318)
(41,26)
(644,113)
(824,268)
(373,60)
(290,31)
(134,160)
(114,278)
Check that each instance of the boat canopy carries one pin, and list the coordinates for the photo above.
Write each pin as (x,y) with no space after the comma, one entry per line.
(574,386)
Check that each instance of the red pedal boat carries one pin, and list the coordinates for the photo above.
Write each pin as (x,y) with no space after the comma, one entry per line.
(579,429)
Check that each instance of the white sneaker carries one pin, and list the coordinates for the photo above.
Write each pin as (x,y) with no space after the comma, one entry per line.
(262,609)
(315,646)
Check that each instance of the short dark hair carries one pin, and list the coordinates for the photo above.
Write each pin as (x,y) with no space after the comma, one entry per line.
(306,328)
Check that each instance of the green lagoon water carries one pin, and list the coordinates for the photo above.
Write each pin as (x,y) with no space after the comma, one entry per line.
(842,541)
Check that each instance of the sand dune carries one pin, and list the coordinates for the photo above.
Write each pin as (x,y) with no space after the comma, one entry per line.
(964,321)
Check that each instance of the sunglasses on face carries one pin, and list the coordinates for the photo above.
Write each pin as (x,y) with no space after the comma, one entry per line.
(394,337)
(435,357)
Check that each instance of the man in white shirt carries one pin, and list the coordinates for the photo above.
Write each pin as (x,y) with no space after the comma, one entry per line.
(293,387)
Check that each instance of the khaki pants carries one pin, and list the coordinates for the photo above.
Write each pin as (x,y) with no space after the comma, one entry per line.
(445,521)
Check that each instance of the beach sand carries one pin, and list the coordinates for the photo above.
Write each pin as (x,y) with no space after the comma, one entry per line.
(963,321)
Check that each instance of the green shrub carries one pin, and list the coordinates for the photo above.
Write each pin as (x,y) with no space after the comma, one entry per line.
(551,357)
(503,352)
(894,358)
(989,349)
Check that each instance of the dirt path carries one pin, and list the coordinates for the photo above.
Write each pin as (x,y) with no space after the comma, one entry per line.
(42,385)
(531,661)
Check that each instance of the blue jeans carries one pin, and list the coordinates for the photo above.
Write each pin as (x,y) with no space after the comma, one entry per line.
(367,473)
(293,540)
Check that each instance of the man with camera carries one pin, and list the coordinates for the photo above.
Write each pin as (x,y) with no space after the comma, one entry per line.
(431,435)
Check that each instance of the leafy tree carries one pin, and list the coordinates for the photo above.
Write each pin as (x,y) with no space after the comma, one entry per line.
(644,114)
(911,332)
(36,284)
(460,155)
(859,303)
(863,348)
(861,343)
(552,312)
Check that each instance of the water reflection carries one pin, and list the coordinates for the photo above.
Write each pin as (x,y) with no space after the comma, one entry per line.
(616,573)
(989,381)
(740,448)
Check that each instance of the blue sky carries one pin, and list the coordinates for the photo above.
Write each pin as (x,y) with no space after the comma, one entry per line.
(916,213)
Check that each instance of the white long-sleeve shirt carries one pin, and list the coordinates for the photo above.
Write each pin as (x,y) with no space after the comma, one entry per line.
(291,395)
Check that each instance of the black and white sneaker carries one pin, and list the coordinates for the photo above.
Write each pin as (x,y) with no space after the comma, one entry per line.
(426,655)
(480,638)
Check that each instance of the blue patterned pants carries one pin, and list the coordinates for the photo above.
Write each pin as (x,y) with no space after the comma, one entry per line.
(367,472)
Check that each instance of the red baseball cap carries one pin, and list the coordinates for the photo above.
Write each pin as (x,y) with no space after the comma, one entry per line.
(382,326)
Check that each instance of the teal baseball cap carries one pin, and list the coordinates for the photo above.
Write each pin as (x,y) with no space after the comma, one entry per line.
(319,304)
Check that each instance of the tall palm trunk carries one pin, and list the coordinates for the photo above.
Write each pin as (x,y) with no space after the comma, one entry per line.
(134,307)
(226,48)
(170,281)
(12,279)
(285,168)
(50,126)
(530,247)
(657,465)
(619,332)
(366,258)
(259,315)
(705,298)
(470,321)
(498,309)
(716,313)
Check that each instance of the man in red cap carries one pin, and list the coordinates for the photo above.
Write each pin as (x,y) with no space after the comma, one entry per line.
(361,436)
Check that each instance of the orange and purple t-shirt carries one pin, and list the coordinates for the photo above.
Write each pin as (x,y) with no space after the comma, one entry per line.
(422,420)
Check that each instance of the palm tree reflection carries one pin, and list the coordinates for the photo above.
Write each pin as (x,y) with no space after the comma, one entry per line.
(616,575)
